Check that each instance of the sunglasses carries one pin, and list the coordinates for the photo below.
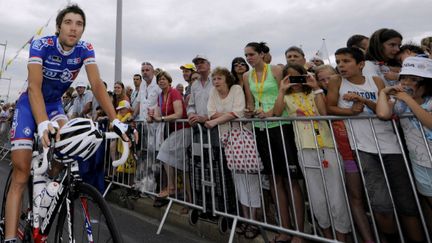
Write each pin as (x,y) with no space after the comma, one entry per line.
(242,64)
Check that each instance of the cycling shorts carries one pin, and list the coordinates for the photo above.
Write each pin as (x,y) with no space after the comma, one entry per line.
(24,125)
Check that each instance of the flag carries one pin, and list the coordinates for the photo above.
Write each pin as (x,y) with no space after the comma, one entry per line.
(38,33)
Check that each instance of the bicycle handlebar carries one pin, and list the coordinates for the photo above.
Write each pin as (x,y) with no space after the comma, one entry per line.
(125,153)
(39,170)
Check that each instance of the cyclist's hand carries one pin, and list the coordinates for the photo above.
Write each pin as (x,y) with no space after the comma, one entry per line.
(120,128)
(44,129)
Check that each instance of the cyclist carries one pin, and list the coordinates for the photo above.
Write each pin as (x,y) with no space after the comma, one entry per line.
(54,63)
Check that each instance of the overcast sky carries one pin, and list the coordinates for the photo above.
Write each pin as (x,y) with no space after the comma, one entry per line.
(169,33)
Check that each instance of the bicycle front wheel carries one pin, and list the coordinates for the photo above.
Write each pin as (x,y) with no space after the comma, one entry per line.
(91,221)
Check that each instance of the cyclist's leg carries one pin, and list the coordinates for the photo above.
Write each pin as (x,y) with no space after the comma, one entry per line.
(23,128)
(21,161)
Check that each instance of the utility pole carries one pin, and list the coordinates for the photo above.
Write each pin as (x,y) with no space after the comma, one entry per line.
(118,43)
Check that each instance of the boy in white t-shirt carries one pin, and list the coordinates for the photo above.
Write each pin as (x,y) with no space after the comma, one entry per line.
(376,147)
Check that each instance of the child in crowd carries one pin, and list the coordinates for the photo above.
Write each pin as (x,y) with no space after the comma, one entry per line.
(415,95)
(383,47)
(376,146)
(124,112)
(323,75)
(325,183)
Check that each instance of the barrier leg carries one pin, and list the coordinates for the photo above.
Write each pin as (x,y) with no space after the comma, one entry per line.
(107,189)
(233,227)
(164,217)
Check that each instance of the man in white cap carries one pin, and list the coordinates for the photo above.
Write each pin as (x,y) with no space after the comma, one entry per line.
(82,103)
(200,90)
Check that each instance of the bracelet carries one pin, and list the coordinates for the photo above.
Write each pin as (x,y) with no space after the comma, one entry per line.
(318,91)
(162,119)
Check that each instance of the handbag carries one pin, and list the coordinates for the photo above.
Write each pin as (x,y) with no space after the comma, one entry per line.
(241,151)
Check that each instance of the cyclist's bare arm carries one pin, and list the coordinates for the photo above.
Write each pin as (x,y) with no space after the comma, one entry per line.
(99,91)
(36,98)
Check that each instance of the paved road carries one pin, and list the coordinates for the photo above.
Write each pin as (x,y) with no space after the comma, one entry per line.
(134,227)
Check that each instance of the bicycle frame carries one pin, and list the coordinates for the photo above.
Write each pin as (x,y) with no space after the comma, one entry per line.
(41,229)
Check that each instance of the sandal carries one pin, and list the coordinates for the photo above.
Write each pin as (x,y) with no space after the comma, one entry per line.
(241,228)
(167,193)
(251,232)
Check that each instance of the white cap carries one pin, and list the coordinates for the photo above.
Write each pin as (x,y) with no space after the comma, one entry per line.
(80,84)
(417,66)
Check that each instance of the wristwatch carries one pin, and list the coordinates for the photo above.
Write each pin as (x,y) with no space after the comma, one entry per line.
(162,119)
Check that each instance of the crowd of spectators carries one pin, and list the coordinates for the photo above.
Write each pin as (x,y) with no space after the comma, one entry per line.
(366,70)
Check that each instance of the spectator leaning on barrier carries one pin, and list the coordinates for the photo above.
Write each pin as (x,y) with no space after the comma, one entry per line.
(173,149)
(82,103)
(415,93)
(307,99)
(356,94)
(197,106)
(263,82)
(227,102)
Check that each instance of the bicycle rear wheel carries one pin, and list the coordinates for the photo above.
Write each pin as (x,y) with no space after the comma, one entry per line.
(92,219)
(24,229)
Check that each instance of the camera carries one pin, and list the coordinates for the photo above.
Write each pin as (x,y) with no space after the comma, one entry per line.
(301,79)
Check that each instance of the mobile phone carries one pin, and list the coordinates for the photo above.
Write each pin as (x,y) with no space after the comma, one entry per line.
(301,79)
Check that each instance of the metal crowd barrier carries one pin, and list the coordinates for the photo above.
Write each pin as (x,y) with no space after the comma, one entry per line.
(5,145)
(203,182)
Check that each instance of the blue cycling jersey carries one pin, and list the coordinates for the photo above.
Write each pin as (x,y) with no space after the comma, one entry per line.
(60,68)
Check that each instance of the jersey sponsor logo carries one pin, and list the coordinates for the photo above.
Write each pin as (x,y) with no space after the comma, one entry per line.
(64,75)
(74,61)
(55,58)
(89,46)
(27,131)
(50,41)
(39,44)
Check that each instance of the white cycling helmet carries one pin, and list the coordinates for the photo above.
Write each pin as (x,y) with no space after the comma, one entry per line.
(79,139)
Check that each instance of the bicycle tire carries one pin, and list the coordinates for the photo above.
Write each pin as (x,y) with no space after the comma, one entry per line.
(103,227)
(24,228)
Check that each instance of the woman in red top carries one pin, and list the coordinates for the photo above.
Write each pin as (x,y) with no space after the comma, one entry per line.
(173,150)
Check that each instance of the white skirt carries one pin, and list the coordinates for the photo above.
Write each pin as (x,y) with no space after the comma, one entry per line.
(173,149)
(248,189)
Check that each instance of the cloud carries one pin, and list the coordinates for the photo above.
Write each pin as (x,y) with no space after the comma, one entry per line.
(169,33)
